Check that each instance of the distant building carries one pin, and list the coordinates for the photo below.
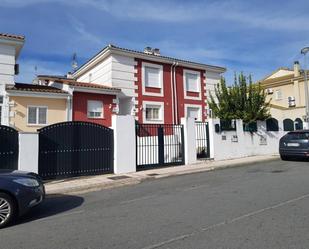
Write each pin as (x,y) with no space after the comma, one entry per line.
(285,91)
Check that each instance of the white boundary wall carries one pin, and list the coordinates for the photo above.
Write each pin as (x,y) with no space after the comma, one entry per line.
(28,152)
(236,144)
(124,144)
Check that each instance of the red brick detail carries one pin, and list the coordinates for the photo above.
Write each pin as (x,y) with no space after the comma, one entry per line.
(193,94)
(152,90)
(80,107)
(181,101)
(167,94)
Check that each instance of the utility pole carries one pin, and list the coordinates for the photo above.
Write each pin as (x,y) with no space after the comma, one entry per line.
(304,51)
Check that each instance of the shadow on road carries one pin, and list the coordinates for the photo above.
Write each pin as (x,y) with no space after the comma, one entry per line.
(52,205)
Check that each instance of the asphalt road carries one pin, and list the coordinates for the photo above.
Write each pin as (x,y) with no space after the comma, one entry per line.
(257,206)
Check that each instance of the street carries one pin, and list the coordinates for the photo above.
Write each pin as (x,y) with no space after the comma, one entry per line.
(262,205)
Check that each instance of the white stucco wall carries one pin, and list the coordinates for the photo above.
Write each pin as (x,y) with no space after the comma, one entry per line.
(247,144)
(28,152)
(124,144)
(7,63)
(116,71)
(190,140)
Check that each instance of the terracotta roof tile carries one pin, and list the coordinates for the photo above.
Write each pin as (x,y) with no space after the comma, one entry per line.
(72,82)
(19,37)
(34,88)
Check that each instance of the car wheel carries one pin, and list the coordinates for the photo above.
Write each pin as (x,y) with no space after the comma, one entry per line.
(284,158)
(7,209)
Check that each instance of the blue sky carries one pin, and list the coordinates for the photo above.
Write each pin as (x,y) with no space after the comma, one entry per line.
(251,36)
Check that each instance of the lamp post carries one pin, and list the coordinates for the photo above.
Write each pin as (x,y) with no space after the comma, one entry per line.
(304,51)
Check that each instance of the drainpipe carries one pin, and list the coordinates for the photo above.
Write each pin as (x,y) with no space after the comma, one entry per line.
(175,90)
(172,91)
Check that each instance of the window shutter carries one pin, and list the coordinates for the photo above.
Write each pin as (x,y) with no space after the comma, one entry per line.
(42,115)
(152,77)
(191,82)
(31,115)
(95,108)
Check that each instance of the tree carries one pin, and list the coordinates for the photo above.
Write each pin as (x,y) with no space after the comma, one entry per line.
(243,100)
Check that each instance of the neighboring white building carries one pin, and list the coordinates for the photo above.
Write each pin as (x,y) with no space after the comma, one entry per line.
(10,47)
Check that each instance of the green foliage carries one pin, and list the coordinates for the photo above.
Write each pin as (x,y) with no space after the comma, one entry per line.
(243,100)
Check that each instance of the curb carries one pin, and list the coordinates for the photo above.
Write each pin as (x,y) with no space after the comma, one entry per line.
(139,179)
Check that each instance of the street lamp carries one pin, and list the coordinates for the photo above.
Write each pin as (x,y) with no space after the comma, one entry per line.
(304,51)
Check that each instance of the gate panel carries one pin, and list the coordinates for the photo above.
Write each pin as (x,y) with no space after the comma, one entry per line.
(202,139)
(8,148)
(75,149)
(159,145)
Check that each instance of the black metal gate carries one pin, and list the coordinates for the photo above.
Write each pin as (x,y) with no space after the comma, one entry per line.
(8,148)
(202,139)
(74,149)
(159,145)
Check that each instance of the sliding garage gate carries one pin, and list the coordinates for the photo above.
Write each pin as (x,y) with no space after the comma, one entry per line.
(75,149)
(8,148)
(159,145)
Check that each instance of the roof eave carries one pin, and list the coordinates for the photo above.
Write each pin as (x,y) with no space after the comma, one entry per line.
(110,50)
(34,94)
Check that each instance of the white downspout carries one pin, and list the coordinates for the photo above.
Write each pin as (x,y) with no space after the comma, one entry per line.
(172,92)
(175,89)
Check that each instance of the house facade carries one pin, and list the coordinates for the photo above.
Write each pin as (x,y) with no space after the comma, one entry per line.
(10,47)
(154,88)
(285,91)
(33,107)
(26,107)
(86,102)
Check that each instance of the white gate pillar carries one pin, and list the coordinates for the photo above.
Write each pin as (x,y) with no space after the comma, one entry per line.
(124,144)
(189,140)
(28,159)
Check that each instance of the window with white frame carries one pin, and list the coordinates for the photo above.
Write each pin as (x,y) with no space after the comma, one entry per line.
(192,82)
(37,115)
(152,77)
(95,109)
(278,95)
(153,113)
(1,103)
(194,112)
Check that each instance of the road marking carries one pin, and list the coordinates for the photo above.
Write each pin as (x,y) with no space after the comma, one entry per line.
(138,199)
(61,215)
(226,222)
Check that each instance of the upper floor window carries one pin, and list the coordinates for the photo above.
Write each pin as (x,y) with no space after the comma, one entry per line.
(192,82)
(278,94)
(95,109)
(152,77)
(37,115)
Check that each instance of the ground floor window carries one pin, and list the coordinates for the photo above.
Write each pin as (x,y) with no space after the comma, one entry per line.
(95,109)
(153,112)
(37,115)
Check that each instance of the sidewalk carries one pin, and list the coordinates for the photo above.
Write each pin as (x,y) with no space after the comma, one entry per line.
(94,183)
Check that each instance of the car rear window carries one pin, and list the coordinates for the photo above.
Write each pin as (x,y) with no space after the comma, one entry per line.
(298,135)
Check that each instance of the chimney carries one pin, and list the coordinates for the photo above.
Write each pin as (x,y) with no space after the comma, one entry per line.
(69,75)
(296,69)
(156,51)
(148,50)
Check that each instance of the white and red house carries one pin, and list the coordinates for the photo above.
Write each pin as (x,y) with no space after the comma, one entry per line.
(154,88)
